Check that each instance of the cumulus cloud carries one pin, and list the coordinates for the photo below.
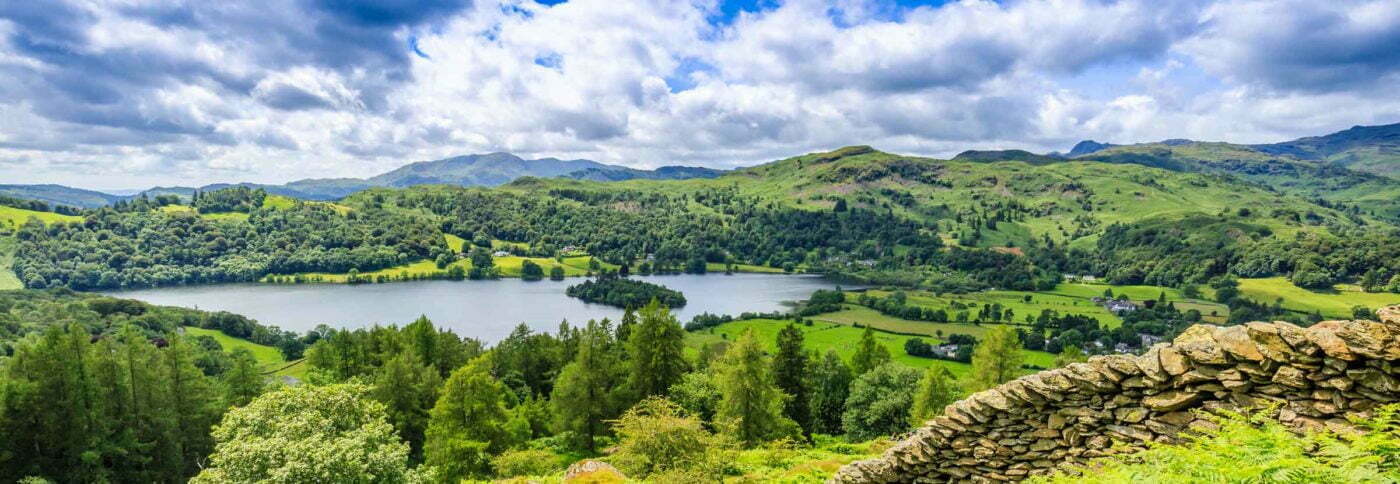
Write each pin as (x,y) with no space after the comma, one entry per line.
(172,91)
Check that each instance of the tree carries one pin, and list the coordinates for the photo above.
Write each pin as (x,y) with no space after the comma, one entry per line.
(556,273)
(1363,312)
(531,271)
(750,404)
(1070,354)
(830,385)
(308,434)
(869,353)
(657,435)
(790,375)
(937,389)
(244,380)
(840,205)
(468,424)
(656,352)
(408,390)
(997,359)
(586,393)
(880,402)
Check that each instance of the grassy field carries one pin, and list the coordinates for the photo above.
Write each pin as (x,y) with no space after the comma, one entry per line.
(718,267)
(269,359)
(821,336)
(1336,303)
(8,279)
(11,218)
(1013,300)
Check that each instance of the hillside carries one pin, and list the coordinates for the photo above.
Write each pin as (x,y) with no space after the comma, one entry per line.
(1371,149)
(60,195)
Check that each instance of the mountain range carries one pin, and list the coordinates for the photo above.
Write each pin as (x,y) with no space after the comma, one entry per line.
(488,170)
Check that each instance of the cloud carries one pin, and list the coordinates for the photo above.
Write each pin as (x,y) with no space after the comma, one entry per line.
(157,91)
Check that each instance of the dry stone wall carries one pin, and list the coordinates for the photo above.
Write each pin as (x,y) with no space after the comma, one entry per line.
(1317,376)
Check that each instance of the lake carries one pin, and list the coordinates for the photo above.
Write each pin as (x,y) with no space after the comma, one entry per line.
(487,310)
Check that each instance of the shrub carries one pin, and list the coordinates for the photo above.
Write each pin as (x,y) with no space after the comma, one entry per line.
(530,462)
(658,436)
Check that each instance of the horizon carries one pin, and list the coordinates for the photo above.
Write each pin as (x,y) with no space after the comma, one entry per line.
(119,96)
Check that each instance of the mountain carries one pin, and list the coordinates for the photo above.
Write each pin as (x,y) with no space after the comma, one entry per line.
(60,195)
(490,169)
(1087,146)
(1372,149)
(663,173)
(1006,155)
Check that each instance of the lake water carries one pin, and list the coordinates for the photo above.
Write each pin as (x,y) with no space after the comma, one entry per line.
(487,310)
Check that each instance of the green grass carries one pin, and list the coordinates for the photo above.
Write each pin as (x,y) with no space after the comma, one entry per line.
(854,314)
(8,279)
(509,266)
(12,218)
(719,267)
(822,336)
(1336,303)
(1013,300)
(269,359)
(454,242)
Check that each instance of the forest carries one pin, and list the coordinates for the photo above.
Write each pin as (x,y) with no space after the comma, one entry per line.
(625,293)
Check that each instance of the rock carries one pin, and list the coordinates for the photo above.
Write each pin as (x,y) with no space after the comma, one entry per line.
(1389,314)
(1268,342)
(1235,340)
(1296,338)
(1198,344)
(1365,338)
(1172,361)
(1324,335)
(1171,401)
(593,471)
(1130,414)
(1128,432)
(1291,376)
(1151,364)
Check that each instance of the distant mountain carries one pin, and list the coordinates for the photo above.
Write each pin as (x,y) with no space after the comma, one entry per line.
(1372,149)
(663,173)
(988,156)
(490,170)
(60,195)
(1087,146)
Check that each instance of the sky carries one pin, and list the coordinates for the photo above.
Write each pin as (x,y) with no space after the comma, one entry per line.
(117,94)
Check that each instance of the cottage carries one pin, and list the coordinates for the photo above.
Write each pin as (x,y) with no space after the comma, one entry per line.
(1120,306)
(945,351)
(1149,339)
(500,253)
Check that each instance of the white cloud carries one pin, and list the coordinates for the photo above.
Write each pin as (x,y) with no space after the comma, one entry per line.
(172,94)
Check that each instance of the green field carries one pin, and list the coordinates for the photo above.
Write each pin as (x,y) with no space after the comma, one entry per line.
(821,336)
(719,267)
(8,279)
(1336,303)
(11,218)
(269,359)
(1013,300)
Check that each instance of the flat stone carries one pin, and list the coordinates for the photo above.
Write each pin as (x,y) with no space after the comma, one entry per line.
(1267,341)
(1324,335)
(1173,362)
(1151,364)
(1366,338)
(1235,341)
(1171,401)
(1296,338)
(1198,344)
(1130,414)
(1291,376)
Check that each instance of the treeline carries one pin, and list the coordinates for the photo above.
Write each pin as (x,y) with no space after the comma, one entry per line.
(37,205)
(114,249)
(625,293)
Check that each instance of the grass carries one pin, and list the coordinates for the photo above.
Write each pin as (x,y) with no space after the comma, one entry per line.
(1013,300)
(8,279)
(1336,303)
(843,338)
(719,267)
(11,218)
(270,360)
(454,242)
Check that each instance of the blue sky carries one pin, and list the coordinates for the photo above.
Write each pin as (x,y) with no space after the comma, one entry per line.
(132,93)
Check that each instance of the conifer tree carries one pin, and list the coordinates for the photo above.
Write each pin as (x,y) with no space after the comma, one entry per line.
(656,348)
(790,375)
(751,406)
(870,354)
(996,359)
(586,395)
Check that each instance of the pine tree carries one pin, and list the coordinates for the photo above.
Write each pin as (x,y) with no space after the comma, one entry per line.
(830,385)
(243,381)
(586,394)
(656,350)
(997,359)
(408,390)
(790,375)
(869,353)
(751,405)
(468,424)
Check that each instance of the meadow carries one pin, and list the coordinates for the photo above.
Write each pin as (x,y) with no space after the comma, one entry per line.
(270,360)
(1336,303)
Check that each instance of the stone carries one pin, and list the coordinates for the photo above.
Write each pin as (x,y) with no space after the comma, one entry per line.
(1130,414)
(593,471)
(1365,338)
(1296,338)
(1172,361)
(1236,342)
(1267,341)
(1291,376)
(1324,335)
(1056,421)
(1198,344)
(1129,432)
(1389,314)
(1171,401)
(1151,364)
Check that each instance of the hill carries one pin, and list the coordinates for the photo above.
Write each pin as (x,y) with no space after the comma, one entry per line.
(1371,149)
(60,195)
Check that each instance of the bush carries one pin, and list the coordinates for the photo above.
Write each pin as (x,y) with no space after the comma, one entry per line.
(658,436)
(530,462)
